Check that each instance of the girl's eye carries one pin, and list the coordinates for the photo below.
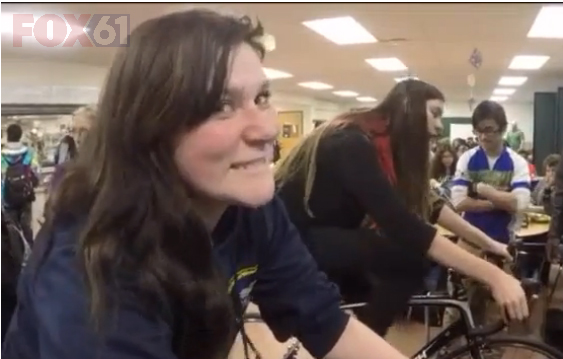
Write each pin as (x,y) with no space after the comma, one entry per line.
(226,106)
(263,98)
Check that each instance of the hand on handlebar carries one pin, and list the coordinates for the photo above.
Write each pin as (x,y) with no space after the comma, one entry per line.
(501,250)
(510,295)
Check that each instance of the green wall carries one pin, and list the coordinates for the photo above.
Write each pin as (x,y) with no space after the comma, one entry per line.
(545,126)
(559,122)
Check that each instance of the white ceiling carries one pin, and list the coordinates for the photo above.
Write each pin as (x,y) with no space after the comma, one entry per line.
(439,39)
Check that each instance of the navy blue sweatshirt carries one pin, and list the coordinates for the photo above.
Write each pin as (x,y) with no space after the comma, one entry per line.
(52,320)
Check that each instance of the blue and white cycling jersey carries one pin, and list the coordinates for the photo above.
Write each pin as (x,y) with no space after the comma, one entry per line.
(508,172)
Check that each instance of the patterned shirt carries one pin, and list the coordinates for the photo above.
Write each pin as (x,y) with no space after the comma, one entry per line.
(508,172)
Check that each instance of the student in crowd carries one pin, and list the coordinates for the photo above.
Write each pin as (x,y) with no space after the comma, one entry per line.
(20,176)
(442,168)
(433,147)
(444,141)
(66,150)
(547,182)
(527,155)
(357,188)
(82,120)
(553,204)
(491,187)
(166,222)
(456,142)
(553,331)
(460,147)
(515,137)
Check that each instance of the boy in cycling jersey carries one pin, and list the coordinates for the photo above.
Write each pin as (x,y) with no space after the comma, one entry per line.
(491,187)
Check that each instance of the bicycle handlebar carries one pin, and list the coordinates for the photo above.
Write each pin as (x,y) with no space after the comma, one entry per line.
(517,248)
(520,251)
(512,250)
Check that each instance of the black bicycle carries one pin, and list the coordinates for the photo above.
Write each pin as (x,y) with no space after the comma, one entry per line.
(480,342)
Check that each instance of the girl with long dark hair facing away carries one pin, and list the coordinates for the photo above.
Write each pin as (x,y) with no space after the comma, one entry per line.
(357,188)
(166,222)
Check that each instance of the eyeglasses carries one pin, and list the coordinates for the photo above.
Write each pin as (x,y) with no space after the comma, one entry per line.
(486,131)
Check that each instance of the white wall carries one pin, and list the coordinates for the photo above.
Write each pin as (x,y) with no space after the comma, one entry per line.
(52,82)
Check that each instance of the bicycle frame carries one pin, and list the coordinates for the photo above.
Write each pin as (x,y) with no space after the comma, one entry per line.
(464,327)
(445,337)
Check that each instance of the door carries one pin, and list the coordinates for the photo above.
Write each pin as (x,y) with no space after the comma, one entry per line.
(291,130)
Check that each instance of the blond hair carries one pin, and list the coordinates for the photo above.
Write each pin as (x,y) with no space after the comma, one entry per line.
(84,116)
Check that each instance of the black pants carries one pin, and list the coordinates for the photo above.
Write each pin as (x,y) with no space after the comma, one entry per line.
(23,216)
(369,267)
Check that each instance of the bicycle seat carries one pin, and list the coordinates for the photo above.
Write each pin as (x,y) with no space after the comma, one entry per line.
(487,330)
(431,297)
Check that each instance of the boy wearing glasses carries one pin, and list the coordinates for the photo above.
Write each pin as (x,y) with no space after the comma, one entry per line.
(491,187)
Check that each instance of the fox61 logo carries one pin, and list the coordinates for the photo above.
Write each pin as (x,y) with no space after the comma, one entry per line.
(68,30)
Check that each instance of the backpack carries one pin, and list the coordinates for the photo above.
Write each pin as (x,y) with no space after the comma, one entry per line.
(15,250)
(19,183)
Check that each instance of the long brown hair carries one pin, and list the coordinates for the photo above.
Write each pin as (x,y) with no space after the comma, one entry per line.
(437,168)
(406,107)
(139,221)
(406,110)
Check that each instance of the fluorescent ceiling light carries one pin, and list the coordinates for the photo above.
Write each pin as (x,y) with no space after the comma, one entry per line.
(346,93)
(269,42)
(503,91)
(387,64)
(499,98)
(315,85)
(341,30)
(401,79)
(512,80)
(276,74)
(7,23)
(548,23)
(528,62)
(366,99)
